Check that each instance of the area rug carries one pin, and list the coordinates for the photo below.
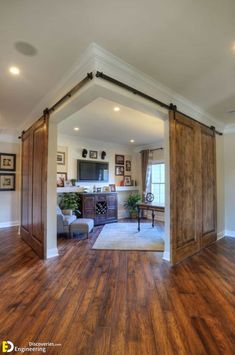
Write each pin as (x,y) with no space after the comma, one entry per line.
(125,236)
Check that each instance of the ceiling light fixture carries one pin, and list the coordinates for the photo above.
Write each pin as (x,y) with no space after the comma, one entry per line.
(116,109)
(132,141)
(14,70)
(76,129)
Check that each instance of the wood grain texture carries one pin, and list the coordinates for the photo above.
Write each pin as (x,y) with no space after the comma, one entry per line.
(117,302)
(185,186)
(208,186)
(192,186)
(89,202)
(34,185)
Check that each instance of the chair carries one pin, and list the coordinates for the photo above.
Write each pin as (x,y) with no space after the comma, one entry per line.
(68,224)
(64,221)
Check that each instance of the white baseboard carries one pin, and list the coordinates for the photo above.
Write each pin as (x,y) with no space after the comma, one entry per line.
(166,256)
(228,233)
(9,224)
(51,253)
(220,235)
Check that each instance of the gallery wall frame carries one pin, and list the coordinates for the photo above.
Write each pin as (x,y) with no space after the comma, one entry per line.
(7,162)
(7,182)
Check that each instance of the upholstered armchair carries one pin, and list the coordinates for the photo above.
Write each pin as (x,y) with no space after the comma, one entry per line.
(63,221)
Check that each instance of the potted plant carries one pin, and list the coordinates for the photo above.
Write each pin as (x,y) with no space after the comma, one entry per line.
(131,204)
(69,203)
(73,182)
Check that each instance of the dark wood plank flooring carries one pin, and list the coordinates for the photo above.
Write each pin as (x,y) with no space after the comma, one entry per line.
(117,302)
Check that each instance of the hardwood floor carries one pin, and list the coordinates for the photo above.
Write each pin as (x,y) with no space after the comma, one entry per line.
(116,302)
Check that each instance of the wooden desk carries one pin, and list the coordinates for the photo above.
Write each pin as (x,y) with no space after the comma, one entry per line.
(148,207)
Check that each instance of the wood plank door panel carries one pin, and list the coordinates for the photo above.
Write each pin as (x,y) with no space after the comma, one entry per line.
(192,185)
(209,228)
(26,202)
(34,182)
(185,185)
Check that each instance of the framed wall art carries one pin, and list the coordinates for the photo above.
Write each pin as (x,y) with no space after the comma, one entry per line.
(112,187)
(61,178)
(7,182)
(7,162)
(127,180)
(60,158)
(93,154)
(119,159)
(128,165)
(119,170)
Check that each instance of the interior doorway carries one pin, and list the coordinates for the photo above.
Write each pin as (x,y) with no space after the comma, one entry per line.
(113,138)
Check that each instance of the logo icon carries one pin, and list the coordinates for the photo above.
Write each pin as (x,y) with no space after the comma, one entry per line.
(7,346)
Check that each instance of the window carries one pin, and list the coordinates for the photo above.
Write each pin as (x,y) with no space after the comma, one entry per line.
(158,183)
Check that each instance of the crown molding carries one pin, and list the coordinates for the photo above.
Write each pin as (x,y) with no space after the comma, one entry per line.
(97,58)
(84,65)
(120,70)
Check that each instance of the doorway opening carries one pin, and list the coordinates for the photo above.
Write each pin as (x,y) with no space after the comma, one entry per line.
(112,169)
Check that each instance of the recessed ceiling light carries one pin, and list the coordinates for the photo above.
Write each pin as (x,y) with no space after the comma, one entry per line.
(76,129)
(116,109)
(132,141)
(14,70)
(233,47)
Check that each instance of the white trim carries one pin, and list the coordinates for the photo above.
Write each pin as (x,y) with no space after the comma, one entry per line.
(112,65)
(97,58)
(51,253)
(220,235)
(9,224)
(166,256)
(228,233)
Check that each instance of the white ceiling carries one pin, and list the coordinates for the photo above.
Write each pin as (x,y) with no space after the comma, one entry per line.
(99,121)
(186,45)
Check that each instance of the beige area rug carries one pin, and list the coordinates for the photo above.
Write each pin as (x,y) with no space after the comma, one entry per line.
(125,236)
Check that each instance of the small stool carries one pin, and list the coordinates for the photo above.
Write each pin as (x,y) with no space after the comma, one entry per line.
(81,225)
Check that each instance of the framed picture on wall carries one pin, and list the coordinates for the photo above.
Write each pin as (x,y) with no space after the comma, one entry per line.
(112,187)
(127,180)
(128,165)
(60,158)
(7,182)
(93,154)
(61,178)
(119,170)
(119,159)
(7,162)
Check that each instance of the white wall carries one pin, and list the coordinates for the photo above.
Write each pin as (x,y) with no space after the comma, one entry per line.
(220,185)
(229,174)
(9,200)
(51,219)
(73,147)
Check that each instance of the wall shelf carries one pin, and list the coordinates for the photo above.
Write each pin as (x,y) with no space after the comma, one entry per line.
(127,188)
(76,189)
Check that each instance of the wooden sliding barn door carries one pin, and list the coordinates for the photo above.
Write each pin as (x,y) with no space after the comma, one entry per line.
(192,185)
(209,207)
(34,182)
(185,186)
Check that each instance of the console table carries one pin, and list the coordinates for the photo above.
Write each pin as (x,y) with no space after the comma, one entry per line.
(100,206)
(148,207)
